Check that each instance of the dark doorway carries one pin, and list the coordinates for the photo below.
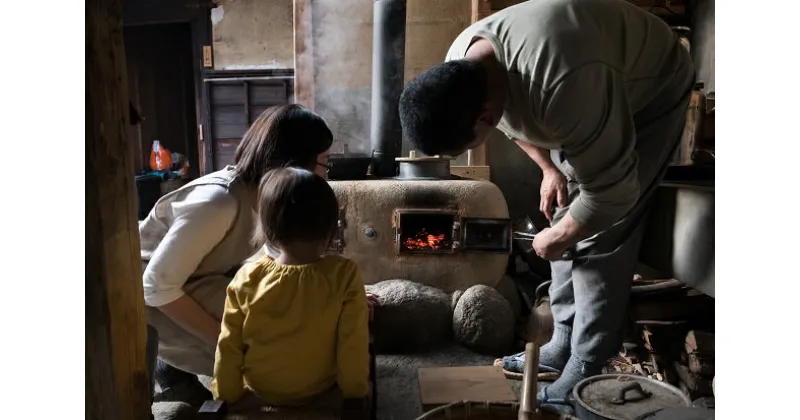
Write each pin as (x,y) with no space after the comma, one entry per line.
(161,86)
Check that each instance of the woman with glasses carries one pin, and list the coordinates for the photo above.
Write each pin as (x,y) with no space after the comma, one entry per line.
(194,240)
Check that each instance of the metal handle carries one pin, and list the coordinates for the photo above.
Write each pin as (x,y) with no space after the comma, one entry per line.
(541,289)
(524,236)
(633,386)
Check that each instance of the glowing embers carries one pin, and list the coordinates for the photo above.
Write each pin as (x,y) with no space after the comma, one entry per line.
(423,240)
(426,231)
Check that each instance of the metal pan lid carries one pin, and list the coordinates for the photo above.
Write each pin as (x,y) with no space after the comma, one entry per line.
(680,413)
(626,397)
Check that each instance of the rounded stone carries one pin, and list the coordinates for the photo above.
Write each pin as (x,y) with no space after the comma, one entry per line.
(454,299)
(412,317)
(508,288)
(483,321)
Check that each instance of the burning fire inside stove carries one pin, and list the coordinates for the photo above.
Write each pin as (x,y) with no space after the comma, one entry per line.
(425,231)
(424,240)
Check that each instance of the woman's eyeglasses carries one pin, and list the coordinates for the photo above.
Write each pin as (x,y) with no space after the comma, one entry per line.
(327,166)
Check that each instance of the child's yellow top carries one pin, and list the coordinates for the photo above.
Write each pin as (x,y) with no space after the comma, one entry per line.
(290,332)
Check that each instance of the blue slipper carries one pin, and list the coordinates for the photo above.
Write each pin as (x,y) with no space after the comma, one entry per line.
(516,364)
(558,405)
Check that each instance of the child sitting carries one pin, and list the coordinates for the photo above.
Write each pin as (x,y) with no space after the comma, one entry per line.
(296,325)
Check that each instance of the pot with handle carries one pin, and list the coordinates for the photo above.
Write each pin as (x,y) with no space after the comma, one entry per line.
(348,166)
(623,397)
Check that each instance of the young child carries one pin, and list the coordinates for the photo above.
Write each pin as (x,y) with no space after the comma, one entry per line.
(294,326)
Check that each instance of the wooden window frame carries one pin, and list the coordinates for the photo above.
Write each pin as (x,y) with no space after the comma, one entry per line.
(245,78)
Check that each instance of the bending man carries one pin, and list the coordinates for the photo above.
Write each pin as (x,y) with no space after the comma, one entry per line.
(596,92)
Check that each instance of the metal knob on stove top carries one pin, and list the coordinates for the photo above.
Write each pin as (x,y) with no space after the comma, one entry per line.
(425,167)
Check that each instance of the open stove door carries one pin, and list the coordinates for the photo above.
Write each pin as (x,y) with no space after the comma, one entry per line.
(485,235)
(445,231)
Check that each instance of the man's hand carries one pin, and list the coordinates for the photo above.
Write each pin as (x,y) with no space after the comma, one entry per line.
(552,243)
(549,246)
(553,191)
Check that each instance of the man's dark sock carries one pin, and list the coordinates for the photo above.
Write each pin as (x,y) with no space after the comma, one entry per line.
(168,376)
(553,356)
(177,385)
(574,372)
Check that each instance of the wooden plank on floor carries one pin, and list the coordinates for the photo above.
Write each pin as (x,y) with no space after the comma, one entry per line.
(440,386)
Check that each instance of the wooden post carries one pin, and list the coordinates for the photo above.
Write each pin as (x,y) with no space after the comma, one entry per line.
(201,38)
(527,408)
(116,374)
(303,54)
(480,10)
(478,158)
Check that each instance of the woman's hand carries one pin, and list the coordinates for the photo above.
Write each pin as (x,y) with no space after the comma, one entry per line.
(553,191)
(372,301)
(189,315)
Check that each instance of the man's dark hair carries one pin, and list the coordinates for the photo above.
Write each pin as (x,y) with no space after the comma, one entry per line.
(287,135)
(295,205)
(439,108)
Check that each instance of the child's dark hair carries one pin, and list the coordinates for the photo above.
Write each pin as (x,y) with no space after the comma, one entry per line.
(295,205)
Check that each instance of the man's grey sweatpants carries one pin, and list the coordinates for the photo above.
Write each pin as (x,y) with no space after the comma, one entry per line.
(589,294)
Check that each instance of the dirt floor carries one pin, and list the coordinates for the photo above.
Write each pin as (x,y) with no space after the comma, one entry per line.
(398,389)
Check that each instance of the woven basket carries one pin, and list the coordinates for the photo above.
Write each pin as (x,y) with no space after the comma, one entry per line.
(473,410)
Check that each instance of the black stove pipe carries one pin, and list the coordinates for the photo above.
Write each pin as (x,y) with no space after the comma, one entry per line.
(388,65)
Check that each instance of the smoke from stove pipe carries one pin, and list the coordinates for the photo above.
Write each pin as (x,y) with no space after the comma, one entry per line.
(388,65)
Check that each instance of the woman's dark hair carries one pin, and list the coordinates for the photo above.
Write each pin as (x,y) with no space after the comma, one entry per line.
(295,205)
(439,108)
(287,135)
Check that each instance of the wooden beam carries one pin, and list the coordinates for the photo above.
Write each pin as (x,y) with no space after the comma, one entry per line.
(474,172)
(116,375)
(481,9)
(303,54)
(201,37)
(148,12)
(480,155)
